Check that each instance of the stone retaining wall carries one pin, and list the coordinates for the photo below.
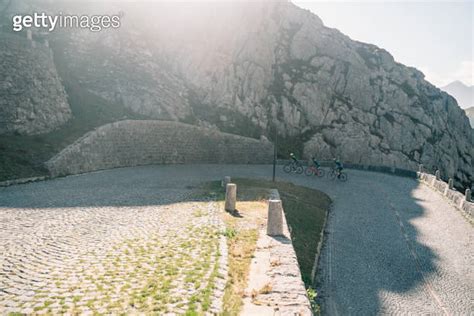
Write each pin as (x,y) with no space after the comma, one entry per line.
(456,198)
(132,143)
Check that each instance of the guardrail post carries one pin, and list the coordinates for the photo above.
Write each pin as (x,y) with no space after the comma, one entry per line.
(468,195)
(225,181)
(449,187)
(275,218)
(437,174)
(230,196)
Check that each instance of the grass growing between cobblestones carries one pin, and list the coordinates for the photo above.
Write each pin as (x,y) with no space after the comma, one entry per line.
(172,269)
(144,276)
(242,234)
(305,210)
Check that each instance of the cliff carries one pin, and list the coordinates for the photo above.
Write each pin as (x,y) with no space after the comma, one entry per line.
(33,100)
(251,68)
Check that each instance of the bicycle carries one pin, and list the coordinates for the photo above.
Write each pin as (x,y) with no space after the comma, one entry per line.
(336,173)
(293,166)
(314,171)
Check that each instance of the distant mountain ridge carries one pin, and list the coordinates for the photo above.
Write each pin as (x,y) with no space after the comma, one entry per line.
(462,93)
(470,115)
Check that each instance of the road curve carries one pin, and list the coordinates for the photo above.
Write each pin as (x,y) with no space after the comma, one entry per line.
(393,246)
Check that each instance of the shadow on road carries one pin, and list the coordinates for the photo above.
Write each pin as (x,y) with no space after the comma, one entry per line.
(371,257)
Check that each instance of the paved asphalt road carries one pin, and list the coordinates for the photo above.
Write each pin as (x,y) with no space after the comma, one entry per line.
(392,245)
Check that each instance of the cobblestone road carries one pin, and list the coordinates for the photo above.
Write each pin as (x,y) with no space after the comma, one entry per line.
(393,246)
(66,247)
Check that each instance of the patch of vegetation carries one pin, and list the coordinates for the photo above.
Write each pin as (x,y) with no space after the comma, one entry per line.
(241,248)
(312,295)
(305,210)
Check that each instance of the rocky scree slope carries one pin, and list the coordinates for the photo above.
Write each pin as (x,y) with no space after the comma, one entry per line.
(254,68)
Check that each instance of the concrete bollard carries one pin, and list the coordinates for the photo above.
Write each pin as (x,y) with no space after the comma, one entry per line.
(468,195)
(450,183)
(437,174)
(230,196)
(420,168)
(225,181)
(275,218)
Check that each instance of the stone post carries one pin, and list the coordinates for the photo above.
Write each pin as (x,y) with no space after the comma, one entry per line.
(448,187)
(468,195)
(225,181)
(420,168)
(450,183)
(230,196)
(275,218)
(437,174)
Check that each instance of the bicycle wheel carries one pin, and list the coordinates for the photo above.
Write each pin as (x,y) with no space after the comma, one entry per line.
(332,175)
(320,173)
(299,170)
(287,168)
(343,177)
(309,171)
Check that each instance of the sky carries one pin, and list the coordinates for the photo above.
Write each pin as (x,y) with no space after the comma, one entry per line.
(434,36)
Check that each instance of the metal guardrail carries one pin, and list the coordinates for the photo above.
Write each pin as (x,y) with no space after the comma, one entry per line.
(383,169)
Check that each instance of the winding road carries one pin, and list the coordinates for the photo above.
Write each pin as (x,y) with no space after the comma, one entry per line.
(393,246)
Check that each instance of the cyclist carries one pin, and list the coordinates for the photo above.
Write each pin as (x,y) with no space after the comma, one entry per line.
(338,166)
(315,162)
(293,165)
(293,158)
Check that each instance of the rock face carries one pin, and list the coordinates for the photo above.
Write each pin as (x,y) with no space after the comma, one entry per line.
(255,67)
(33,100)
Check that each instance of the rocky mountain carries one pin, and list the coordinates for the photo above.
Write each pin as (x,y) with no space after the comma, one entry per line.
(254,68)
(33,100)
(464,94)
(470,115)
